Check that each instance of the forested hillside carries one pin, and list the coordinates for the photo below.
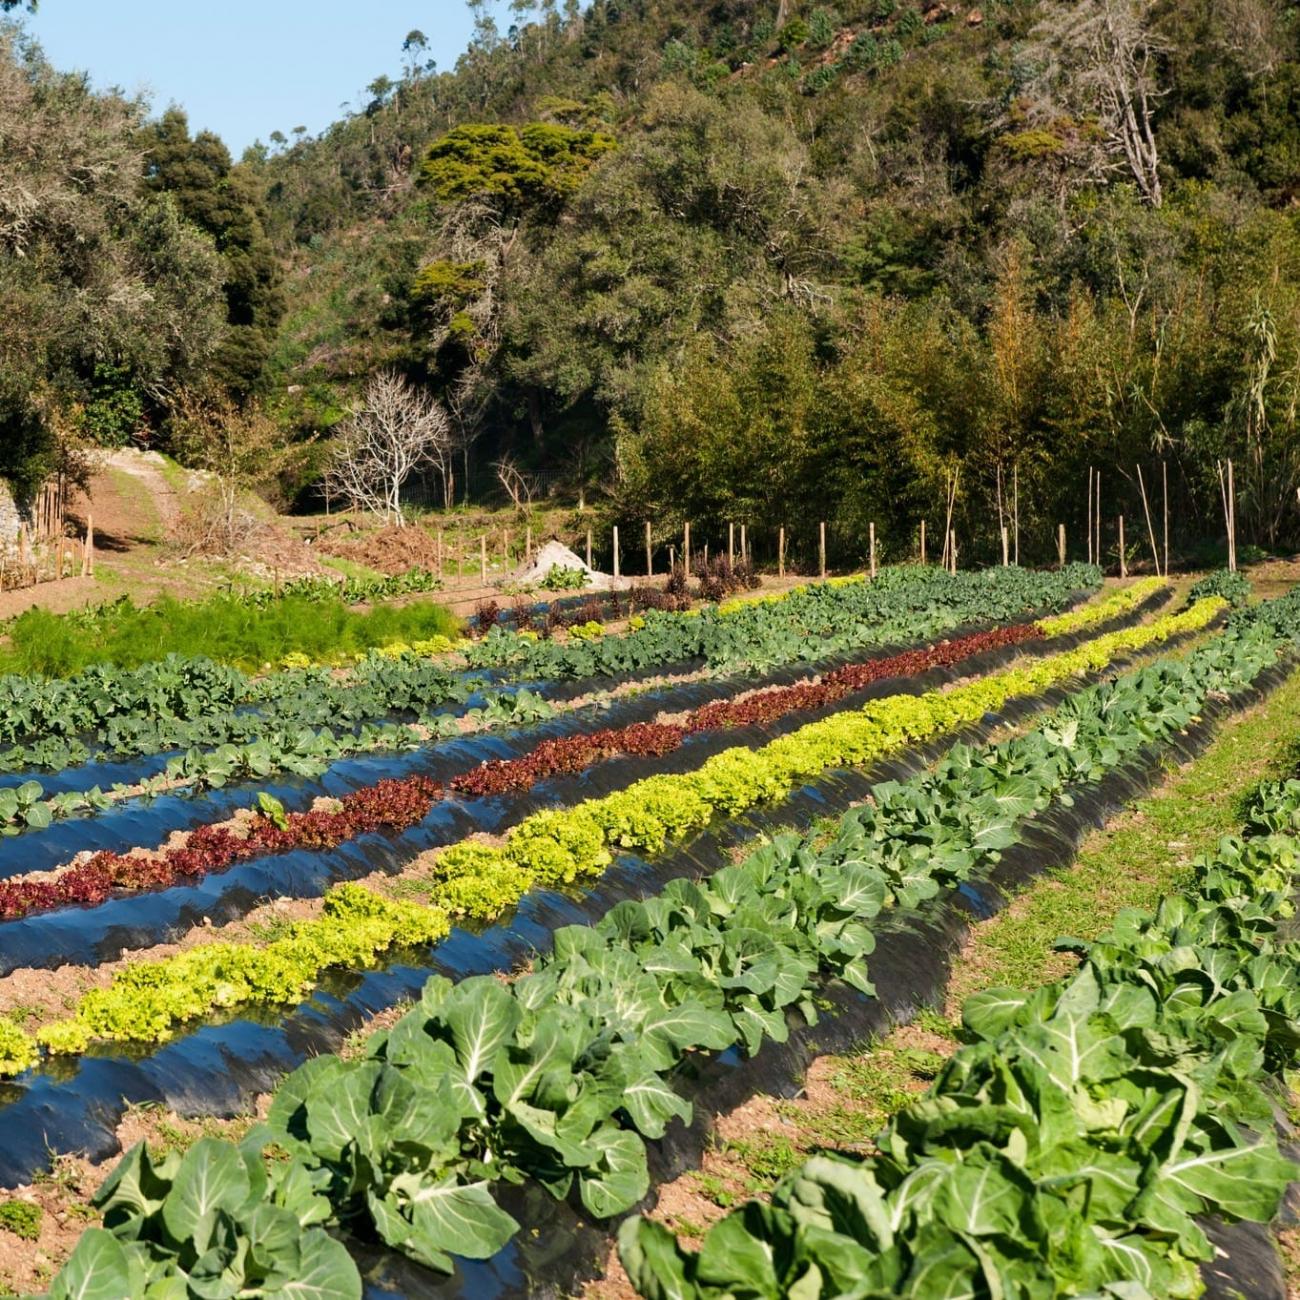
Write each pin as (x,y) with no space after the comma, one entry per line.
(756,261)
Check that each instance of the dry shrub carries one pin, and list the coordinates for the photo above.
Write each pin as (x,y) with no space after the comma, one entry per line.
(215,522)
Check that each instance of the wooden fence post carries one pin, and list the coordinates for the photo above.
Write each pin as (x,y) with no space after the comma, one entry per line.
(922,541)
(821,548)
(589,548)
(731,544)
(88,556)
(1123,567)
(482,557)
(1089,514)
(1151,531)
(439,552)
(1096,523)
(1164,477)
(780,553)
(528,545)
(616,557)
(1005,558)
(1060,544)
(1232,521)
(686,547)
(505,550)
(872,531)
(952,548)
(649,552)
(744,542)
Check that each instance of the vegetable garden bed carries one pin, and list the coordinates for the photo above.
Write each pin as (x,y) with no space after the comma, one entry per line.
(472,1018)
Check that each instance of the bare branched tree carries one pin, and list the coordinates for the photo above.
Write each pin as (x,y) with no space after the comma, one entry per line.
(397,430)
(467,401)
(520,487)
(1097,60)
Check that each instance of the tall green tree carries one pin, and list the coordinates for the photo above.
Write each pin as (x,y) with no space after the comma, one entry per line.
(224,200)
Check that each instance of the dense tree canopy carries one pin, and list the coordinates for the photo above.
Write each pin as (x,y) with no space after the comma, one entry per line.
(111,298)
(225,202)
(754,257)
(743,260)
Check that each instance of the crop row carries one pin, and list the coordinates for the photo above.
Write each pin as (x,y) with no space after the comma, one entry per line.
(26,806)
(900,604)
(191,704)
(1116,604)
(564,1073)
(395,805)
(558,847)
(1079,1139)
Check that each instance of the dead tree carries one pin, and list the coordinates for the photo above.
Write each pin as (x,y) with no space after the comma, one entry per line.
(396,431)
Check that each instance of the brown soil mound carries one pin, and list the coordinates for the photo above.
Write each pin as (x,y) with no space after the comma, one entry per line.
(390,550)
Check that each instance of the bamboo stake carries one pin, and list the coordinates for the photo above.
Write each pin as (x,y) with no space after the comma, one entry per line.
(780,553)
(744,542)
(1232,519)
(1123,565)
(731,544)
(872,528)
(1151,532)
(1089,514)
(482,557)
(649,552)
(821,547)
(922,541)
(589,548)
(88,563)
(1096,515)
(1227,510)
(952,549)
(505,550)
(686,547)
(1164,476)
(616,555)
(1001,518)
(1015,513)
(948,532)
(438,553)
(1060,544)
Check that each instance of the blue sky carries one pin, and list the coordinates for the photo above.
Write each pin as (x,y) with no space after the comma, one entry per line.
(245,68)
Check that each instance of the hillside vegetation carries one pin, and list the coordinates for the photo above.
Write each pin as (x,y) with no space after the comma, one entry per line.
(776,261)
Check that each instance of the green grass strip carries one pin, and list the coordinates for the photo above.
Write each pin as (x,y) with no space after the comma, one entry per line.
(1140,857)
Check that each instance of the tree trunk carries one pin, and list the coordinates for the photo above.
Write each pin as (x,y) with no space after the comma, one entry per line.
(535,415)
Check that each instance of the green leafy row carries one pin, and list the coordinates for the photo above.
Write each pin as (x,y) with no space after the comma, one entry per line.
(195,704)
(556,847)
(1112,606)
(146,1001)
(812,622)
(1073,1145)
(562,1074)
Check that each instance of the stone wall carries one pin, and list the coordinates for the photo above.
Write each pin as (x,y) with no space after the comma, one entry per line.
(10,518)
